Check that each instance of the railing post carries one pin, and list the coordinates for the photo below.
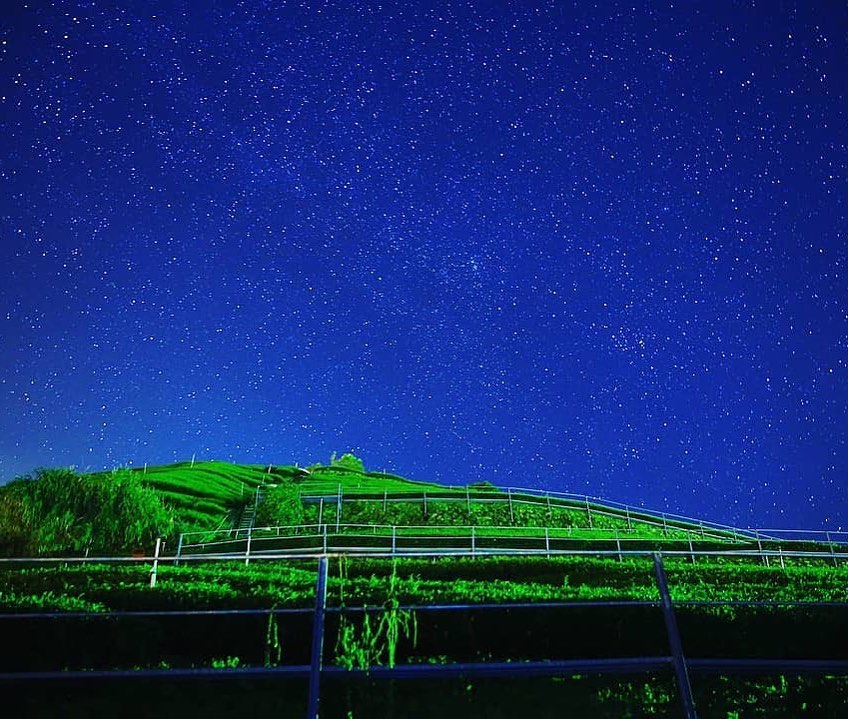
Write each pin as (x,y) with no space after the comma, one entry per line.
(509,499)
(317,640)
(760,547)
(548,497)
(618,545)
(665,525)
(627,514)
(691,551)
(547,542)
(473,548)
(339,508)
(468,502)
(247,548)
(832,553)
(589,514)
(394,540)
(385,500)
(425,505)
(321,510)
(179,550)
(680,670)
(325,538)
(155,562)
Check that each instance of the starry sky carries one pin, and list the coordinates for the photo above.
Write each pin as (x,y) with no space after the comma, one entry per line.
(597,249)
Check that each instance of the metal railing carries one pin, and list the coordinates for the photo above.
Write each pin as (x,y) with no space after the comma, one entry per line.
(676,661)
(473,540)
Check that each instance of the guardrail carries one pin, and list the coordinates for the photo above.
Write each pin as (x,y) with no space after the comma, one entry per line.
(414,540)
(335,491)
(676,661)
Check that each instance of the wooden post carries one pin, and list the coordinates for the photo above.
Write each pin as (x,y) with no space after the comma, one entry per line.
(155,562)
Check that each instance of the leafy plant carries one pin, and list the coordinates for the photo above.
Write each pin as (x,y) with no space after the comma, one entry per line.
(374,642)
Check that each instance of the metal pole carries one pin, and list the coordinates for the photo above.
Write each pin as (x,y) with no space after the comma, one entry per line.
(247,548)
(394,540)
(548,497)
(385,500)
(321,511)
(665,525)
(325,538)
(317,640)
(509,499)
(832,553)
(618,544)
(679,661)
(691,551)
(155,562)
(589,513)
(629,525)
(472,540)
(179,550)
(760,547)
(339,508)
(425,505)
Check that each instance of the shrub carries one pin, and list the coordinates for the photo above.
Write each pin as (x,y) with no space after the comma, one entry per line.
(59,511)
(281,506)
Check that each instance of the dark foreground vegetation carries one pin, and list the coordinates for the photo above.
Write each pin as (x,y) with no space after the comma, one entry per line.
(233,619)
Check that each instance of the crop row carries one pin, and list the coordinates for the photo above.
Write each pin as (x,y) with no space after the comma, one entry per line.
(418,581)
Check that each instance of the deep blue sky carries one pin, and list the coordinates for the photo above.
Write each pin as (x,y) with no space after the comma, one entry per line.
(599,250)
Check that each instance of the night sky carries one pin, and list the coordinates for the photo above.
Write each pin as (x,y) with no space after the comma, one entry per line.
(593,249)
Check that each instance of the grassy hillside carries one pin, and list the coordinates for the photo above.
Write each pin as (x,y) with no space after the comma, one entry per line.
(258,614)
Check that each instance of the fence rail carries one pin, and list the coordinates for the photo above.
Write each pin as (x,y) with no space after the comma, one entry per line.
(676,662)
(408,540)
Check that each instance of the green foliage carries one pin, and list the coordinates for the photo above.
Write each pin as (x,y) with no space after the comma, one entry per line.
(281,506)
(373,641)
(58,511)
(349,461)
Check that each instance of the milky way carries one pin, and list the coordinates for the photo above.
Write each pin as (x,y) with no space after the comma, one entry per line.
(593,250)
